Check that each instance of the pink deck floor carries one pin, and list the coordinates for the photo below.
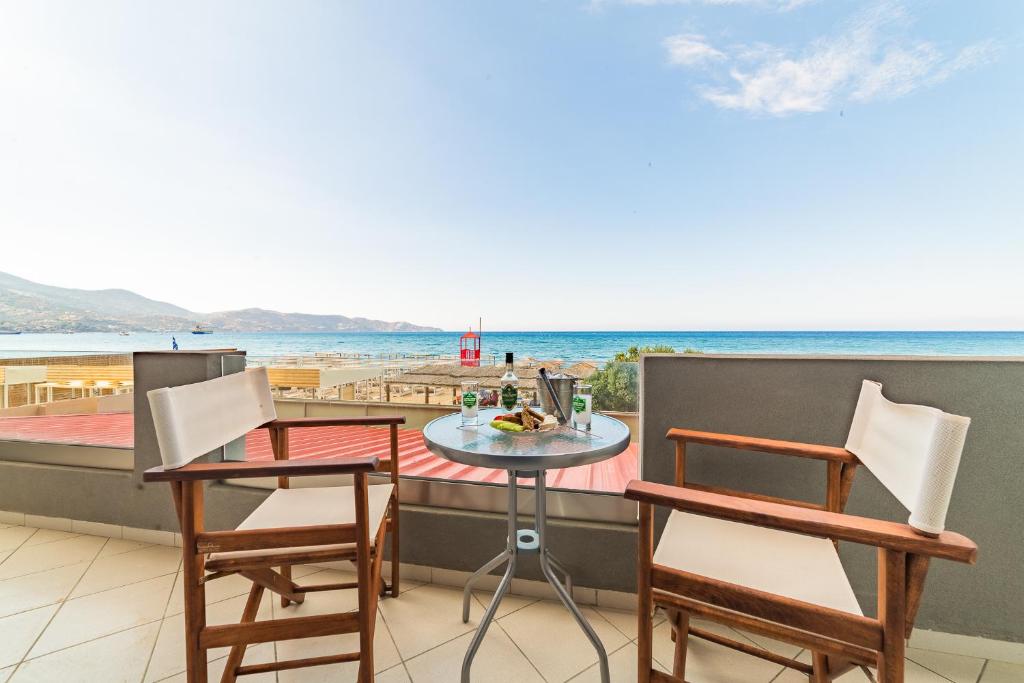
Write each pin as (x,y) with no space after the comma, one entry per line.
(116,430)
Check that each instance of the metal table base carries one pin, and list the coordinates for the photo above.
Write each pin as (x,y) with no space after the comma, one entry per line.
(526,541)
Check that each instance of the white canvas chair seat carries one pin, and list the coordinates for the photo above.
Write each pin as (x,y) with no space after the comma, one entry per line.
(311,507)
(787,564)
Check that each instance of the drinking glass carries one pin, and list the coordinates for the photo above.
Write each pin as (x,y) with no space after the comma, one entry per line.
(470,403)
(582,401)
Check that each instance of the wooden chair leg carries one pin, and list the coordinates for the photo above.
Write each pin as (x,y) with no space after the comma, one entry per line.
(189,499)
(645,604)
(367,586)
(681,628)
(286,572)
(892,590)
(237,654)
(393,522)
(820,673)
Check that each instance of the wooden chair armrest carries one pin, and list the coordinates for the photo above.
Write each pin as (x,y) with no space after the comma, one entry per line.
(249,470)
(364,421)
(864,530)
(749,443)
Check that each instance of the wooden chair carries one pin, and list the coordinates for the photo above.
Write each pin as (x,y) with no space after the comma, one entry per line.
(770,566)
(292,526)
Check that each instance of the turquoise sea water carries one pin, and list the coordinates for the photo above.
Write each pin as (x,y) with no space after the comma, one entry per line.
(569,346)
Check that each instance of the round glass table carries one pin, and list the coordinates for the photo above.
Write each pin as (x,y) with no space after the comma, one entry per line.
(527,456)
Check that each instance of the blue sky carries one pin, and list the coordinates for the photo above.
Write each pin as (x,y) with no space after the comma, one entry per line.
(729,164)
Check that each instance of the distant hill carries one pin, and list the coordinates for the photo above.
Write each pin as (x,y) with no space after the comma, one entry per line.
(33,307)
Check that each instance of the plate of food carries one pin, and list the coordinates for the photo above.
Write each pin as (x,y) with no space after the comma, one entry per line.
(526,421)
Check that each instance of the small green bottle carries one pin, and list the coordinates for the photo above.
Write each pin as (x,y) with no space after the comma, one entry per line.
(509,386)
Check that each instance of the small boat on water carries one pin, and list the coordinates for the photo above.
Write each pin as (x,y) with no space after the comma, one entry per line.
(124,333)
(2,331)
(202,329)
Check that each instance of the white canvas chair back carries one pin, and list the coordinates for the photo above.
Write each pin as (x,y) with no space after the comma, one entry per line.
(913,450)
(194,419)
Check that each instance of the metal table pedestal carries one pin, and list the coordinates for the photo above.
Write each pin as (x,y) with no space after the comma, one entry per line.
(526,541)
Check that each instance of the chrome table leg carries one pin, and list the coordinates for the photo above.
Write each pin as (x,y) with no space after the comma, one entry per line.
(563,595)
(509,554)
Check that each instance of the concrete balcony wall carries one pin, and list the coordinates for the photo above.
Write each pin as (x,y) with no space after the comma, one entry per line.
(813,400)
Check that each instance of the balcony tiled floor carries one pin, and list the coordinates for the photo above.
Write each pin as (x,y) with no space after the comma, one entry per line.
(86,608)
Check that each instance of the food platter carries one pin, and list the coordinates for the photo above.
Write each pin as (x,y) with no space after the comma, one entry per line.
(525,422)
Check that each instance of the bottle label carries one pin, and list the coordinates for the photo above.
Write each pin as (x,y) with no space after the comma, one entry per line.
(469,399)
(579,404)
(509,396)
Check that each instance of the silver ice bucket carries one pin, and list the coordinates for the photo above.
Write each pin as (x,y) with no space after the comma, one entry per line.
(563,385)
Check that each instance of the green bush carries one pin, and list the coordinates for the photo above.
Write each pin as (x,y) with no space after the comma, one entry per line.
(615,386)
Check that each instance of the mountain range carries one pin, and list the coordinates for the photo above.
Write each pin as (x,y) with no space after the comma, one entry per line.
(33,307)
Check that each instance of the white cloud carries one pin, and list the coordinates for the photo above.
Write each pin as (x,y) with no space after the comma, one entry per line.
(689,49)
(869,58)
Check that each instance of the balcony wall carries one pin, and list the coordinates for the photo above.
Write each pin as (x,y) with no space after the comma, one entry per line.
(813,399)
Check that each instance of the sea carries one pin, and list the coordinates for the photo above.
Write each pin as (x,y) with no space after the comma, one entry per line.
(567,346)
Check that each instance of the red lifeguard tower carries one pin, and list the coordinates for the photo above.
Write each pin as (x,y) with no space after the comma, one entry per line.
(469,349)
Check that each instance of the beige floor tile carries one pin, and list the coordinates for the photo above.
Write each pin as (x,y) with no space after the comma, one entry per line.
(19,631)
(116,658)
(385,656)
(37,558)
(914,673)
(549,636)
(102,614)
(257,654)
(509,603)
(14,536)
(426,617)
(116,546)
(40,589)
(497,660)
(626,621)
(49,536)
(1002,672)
(956,668)
(622,665)
(169,654)
(710,663)
(395,674)
(6,673)
(127,568)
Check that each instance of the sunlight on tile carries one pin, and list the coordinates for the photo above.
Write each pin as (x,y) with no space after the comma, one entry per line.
(426,617)
(101,614)
(954,667)
(127,568)
(36,590)
(36,558)
(508,605)
(497,660)
(18,632)
(531,629)
(117,658)
(1002,672)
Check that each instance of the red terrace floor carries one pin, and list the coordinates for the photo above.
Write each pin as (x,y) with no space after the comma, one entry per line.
(116,430)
